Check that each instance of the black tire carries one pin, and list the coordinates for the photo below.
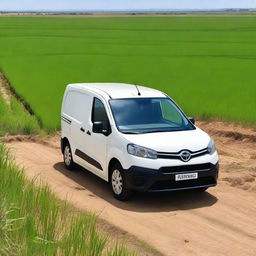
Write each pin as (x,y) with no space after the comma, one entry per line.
(117,178)
(68,158)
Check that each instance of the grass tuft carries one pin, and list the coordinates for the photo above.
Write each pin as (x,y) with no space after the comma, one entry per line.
(34,222)
(15,119)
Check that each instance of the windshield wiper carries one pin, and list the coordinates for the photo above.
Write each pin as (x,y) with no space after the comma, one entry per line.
(131,132)
(143,132)
(152,131)
(157,131)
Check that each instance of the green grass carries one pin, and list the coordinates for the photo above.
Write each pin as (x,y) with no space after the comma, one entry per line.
(33,222)
(14,119)
(206,64)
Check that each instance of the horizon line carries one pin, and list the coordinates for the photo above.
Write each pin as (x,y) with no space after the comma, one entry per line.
(133,10)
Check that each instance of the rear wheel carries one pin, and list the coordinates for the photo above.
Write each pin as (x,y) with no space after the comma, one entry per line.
(67,156)
(118,184)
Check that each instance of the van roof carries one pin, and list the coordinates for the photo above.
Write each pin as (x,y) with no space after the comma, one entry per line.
(118,90)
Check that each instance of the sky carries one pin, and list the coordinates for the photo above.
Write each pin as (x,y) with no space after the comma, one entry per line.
(21,5)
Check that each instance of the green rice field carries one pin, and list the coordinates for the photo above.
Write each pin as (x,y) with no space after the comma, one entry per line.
(206,64)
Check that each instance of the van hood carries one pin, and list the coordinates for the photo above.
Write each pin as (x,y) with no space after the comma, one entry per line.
(175,141)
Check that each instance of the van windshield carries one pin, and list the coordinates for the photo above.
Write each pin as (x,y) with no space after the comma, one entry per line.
(145,115)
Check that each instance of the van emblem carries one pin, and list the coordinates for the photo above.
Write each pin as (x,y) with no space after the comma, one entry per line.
(185,155)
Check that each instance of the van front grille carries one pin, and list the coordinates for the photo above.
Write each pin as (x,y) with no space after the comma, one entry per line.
(177,155)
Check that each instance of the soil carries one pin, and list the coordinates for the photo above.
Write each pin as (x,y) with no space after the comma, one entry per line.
(221,221)
(237,151)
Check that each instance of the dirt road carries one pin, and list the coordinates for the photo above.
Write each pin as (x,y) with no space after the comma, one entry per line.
(221,221)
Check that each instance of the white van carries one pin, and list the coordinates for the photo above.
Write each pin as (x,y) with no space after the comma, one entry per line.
(135,138)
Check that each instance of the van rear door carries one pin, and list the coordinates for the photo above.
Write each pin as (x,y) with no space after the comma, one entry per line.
(77,108)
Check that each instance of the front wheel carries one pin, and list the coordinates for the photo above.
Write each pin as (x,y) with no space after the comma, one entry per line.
(67,156)
(118,184)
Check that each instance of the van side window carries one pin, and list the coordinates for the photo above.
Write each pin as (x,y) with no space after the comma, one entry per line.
(169,113)
(99,113)
(75,102)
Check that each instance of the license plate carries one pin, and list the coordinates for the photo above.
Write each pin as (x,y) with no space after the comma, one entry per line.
(186,176)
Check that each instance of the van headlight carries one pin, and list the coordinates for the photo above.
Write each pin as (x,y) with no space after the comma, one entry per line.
(211,147)
(139,151)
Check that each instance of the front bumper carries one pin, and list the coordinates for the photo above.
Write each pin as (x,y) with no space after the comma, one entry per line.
(163,179)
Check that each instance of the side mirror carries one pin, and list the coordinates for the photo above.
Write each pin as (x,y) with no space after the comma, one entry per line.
(192,120)
(97,127)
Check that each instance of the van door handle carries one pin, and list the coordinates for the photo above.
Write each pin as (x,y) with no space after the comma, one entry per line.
(82,129)
(88,132)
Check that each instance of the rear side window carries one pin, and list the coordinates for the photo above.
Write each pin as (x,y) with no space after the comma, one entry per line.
(99,113)
(77,105)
